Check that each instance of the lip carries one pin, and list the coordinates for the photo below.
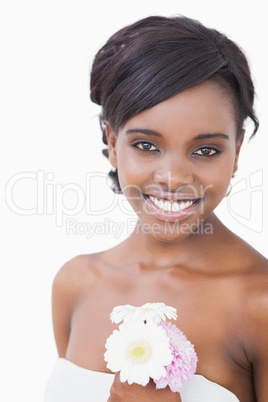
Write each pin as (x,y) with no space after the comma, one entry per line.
(171,216)
(172,196)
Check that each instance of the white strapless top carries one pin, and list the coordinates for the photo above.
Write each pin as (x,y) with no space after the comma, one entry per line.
(71,383)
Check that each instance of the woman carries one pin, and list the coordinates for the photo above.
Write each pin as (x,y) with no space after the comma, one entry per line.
(174,97)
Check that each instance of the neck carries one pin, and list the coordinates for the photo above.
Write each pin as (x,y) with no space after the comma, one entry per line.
(158,253)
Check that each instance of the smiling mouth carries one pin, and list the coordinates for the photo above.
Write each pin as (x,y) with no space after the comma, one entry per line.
(172,206)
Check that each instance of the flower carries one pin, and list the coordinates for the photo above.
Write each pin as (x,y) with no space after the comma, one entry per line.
(146,346)
(139,351)
(183,365)
(120,313)
(155,312)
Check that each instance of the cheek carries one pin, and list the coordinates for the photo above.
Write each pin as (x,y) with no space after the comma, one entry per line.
(133,170)
(130,179)
(216,180)
(128,173)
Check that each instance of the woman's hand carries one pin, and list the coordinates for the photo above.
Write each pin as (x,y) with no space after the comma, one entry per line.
(123,392)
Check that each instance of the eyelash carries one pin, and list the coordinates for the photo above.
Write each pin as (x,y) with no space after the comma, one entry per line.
(135,145)
(216,153)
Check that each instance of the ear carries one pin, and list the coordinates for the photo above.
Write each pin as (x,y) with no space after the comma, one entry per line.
(239,142)
(111,139)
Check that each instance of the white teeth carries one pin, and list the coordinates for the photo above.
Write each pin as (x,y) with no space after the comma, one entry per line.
(175,207)
(171,207)
(167,206)
(182,206)
(160,204)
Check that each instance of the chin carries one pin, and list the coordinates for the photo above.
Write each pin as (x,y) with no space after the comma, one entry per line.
(168,232)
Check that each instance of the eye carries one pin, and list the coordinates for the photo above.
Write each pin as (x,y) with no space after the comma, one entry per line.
(207,152)
(145,146)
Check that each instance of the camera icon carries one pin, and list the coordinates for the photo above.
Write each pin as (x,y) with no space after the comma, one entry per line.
(245,202)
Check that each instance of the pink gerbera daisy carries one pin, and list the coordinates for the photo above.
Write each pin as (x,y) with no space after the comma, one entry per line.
(183,365)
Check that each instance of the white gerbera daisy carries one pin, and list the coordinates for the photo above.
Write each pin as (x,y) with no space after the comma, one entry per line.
(121,313)
(148,312)
(139,351)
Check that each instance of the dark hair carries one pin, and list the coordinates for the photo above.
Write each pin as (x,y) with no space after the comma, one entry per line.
(157,57)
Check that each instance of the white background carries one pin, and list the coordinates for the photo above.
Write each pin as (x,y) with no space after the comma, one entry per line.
(48,125)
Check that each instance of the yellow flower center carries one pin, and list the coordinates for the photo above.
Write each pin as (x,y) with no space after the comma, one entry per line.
(139,352)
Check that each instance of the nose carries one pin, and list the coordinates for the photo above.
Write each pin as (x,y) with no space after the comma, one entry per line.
(174,174)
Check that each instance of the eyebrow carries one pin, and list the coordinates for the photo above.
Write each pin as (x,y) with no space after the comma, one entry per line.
(146,131)
(197,137)
(212,135)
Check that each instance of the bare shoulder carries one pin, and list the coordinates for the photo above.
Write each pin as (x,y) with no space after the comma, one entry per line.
(249,270)
(255,304)
(77,273)
(256,289)
(80,274)
(71,282)
(255,325)
(254,275)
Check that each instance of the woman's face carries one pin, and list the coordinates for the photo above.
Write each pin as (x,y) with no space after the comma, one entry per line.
(176,159)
